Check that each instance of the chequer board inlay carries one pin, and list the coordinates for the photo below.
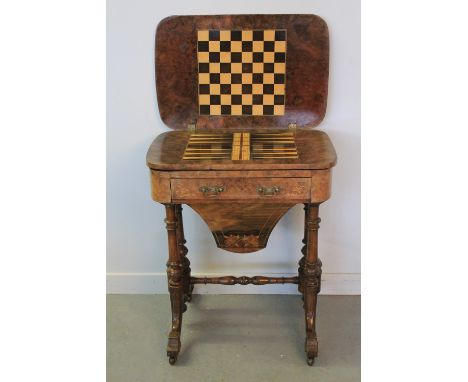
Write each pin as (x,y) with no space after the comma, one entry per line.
(241,72)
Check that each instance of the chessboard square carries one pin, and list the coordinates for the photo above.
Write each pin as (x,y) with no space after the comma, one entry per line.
(203,67)
(214,46)
(269,57)
(257,78)
(279,89)
(247,35)
(225,46)
(257,46)
(215,67)
(215,99)
(280,67)
(203,57)
(215,89)
(247,46)
(246,99)
(258,88)
(236,78)
(269,78)
(236,57)
(258,67)
(236,89)
(214,78)
(226,109)
(247,57)
(236,35)
(257,99)
(213,35)
(225,35)
(280,35)
(246,109)
(236,99)
(225,67)
(268,99)
(257,110)
(278,110)
(246,78)
(246,89)
(225,57)
(258,57)
(225,89)
(279,78)
(225,99)
(279,99)
(236,67)
(205,109)
(236,46)
(236,110)
(268,109)
(280,57)
(225,78)
(258,35)
(280,46)
(269,46)
(269,67)
(203,89)
(269,35)
(215,110)
(203,35)
(214,56)
(203,78)
(268,89)
(247,68)
(204,99)
(203,46)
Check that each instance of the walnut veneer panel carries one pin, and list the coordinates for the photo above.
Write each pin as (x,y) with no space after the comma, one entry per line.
(306,79)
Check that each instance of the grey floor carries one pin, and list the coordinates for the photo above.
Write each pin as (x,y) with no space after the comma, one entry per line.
(232,338)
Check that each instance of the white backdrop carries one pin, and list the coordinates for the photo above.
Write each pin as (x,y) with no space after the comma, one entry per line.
(136,236)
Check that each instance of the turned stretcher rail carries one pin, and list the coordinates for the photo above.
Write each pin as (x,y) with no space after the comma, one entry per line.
(244,280)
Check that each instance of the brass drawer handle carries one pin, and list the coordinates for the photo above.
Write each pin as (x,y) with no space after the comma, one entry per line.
(211,192)
(268,191)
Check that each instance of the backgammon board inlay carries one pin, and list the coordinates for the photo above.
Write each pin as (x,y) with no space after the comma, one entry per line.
(241,72)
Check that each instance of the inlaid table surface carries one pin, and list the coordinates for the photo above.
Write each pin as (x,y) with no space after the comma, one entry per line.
(242,93)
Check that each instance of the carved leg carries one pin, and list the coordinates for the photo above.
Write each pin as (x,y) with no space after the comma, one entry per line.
(188,288)
(311,281)
(175,284)
(300,270)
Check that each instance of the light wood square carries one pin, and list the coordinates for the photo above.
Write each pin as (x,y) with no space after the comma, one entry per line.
(236,109)
(236,46)
(258,46)
(257,109)
(247,99)
(246,78)
(236,89)
(225,99)
(280,46)
(257,89)
(203,78)
(247,57)
(203,35)
(279,89)
(225,78)
(215,109)
(215,67)
(269,35)
(236,67)
(214,46)
(257,67)
(268,78)
(225,35)
(269,57)
(268,99)
(278,110)
(225,57)
(215,89)
(280,68)
(247,35)
(203,57)
(204,99)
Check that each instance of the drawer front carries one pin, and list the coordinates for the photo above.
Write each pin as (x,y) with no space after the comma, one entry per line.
(241,189)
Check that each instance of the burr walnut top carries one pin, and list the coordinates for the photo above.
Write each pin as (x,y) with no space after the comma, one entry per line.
(314,152)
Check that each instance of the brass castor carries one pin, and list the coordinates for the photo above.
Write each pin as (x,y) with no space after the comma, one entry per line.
(172,359)
(310,361)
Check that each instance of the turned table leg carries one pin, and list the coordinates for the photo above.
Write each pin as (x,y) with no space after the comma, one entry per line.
(175,283)
(311,272)
(187,286)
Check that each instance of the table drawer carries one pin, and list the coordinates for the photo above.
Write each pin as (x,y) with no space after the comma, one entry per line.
(241,189)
